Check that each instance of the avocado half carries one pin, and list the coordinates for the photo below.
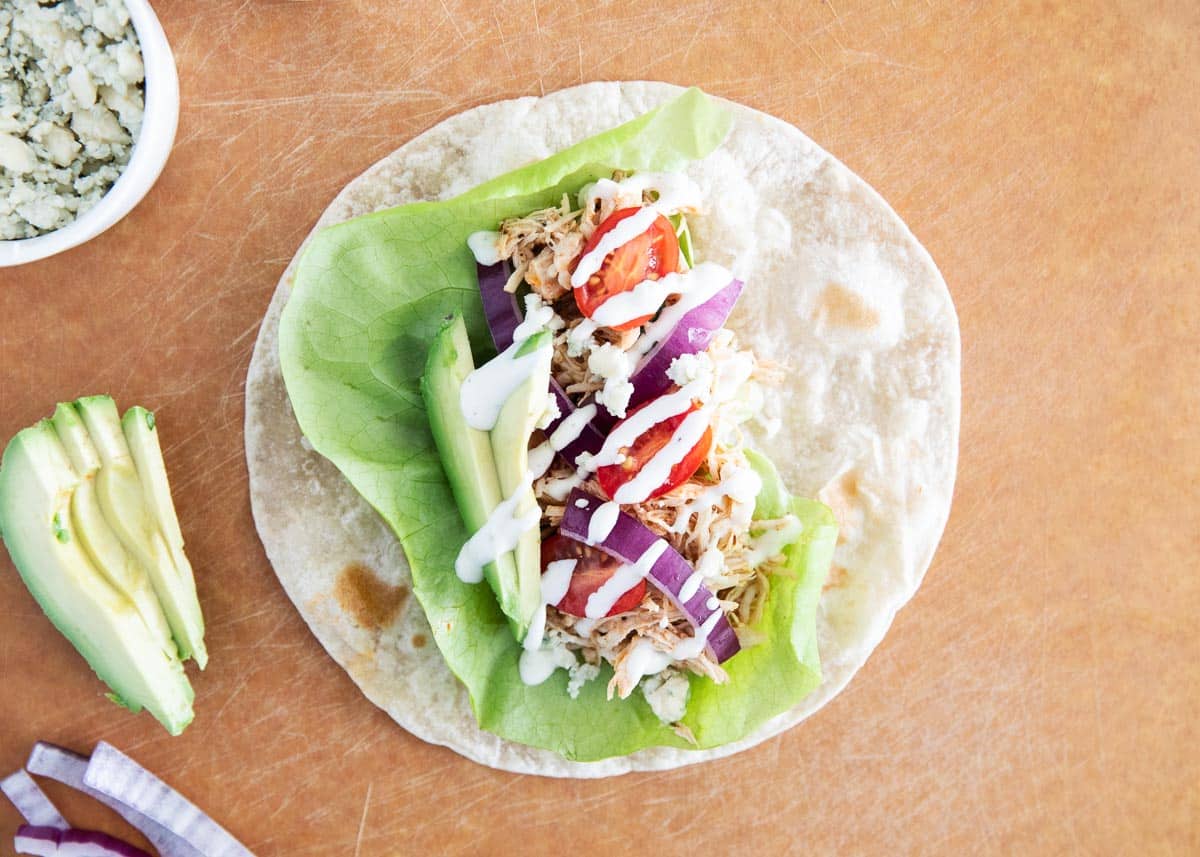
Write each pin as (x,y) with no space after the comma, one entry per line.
(86,514)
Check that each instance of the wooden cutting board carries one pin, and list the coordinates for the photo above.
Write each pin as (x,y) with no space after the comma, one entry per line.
(1041,693)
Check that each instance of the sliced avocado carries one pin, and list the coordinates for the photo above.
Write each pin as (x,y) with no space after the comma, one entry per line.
(123,502)
(141,434)
(97,538)
(466,452)
(510,447)
(37,484)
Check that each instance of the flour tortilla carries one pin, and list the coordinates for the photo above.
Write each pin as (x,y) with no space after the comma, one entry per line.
(838,289)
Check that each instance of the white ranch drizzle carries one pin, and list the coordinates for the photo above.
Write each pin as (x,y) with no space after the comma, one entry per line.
(642,300)
(540,459)
(676,191)
(700,284)
(656,471)
(626,577)
(485,247)
(558,489)
(538,662)
(643,660)
(579,339)
(602,522)
(690,648)
(771,542)
(690,587)
(624,232)
(634,426)
(537,665)
(556,580)
(572,427)
(499,534)
(487,388)
(741,486)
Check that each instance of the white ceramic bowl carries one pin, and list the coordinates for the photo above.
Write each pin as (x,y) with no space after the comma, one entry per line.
(150,151)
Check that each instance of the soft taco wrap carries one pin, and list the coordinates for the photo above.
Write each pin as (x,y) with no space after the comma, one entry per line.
(649,402)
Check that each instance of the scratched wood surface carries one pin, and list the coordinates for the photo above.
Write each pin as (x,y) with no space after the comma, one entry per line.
(1042,692)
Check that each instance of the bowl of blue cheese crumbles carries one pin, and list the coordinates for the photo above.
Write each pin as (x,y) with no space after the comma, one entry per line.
(89,102)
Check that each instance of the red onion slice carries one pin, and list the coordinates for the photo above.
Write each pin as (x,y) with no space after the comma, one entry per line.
(112,773)
(503,316)
(627,541)
(29,799)
(691,335)
(68,768)
(72,842)
(500,307)
(38,840)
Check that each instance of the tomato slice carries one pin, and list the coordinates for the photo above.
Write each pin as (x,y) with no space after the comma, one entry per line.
(653,254)
(592,569)
(646,446)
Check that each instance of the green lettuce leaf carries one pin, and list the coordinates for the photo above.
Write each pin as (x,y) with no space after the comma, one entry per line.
(369,296)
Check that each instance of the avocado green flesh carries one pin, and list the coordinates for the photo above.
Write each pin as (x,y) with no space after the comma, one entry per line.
(123,504)
(37,484)
(141,435)
(510,448)
(96,536)
(466,453)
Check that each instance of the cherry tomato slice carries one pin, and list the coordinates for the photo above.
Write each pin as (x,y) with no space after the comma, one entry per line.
(592,569)
(653,254)
(644,448)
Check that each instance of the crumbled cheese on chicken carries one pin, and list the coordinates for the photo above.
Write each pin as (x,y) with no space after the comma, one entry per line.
(581,674)
(667,693)
(71,102)
(615,366)
(691,368)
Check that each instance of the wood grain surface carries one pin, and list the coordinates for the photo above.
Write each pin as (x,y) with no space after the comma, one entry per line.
(1041,693)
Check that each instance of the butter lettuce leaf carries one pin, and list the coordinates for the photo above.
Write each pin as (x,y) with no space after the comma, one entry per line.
(369,295)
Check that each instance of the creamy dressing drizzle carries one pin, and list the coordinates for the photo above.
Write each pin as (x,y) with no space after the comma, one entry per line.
(602,522)
(579,339)
(624,579)
(634,426)
(690,587)
(540,459)
(676,192)
(624,232)
(643,660)
(486,389)
(771,542)
(539,662)
(656,471)
(558,489)
(499,534)
(741,486)
(572,427)
(537,665)
(642,300)
(485,247)
(695,287)
(690,648)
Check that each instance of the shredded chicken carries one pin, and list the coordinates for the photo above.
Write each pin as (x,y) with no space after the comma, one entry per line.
(542,246)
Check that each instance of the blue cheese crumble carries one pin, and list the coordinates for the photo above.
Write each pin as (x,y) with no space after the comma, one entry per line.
(71,103)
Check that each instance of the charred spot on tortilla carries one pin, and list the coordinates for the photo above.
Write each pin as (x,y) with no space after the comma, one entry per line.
(843,307)
(373,603)
(419,641)
(838,577)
